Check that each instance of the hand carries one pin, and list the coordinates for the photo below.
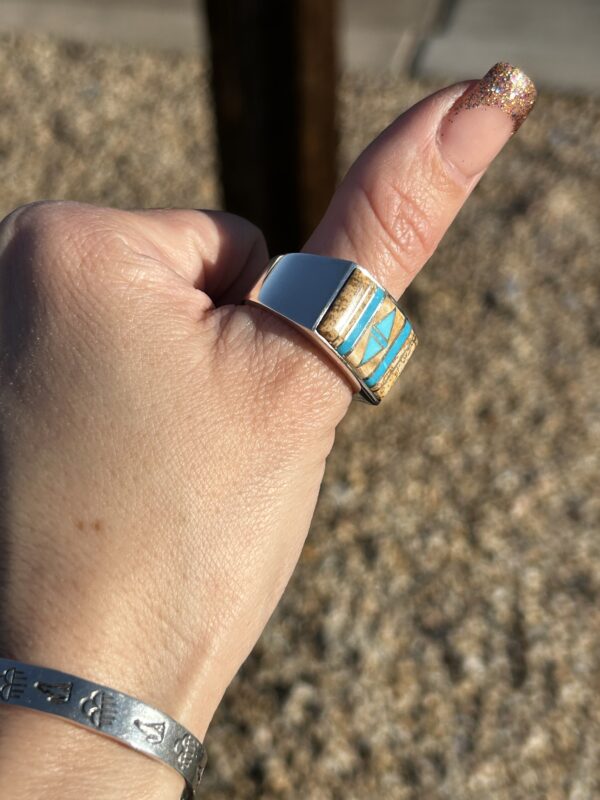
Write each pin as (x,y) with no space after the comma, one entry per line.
(162,446)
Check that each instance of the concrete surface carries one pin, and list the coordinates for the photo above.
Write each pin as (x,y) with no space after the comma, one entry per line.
(378,35)
(440,639)
(556,41)
(165,24)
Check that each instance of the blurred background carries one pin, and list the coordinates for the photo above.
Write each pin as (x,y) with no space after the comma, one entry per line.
(441,636)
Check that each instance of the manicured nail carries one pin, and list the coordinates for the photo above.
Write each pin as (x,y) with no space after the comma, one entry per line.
(484,118)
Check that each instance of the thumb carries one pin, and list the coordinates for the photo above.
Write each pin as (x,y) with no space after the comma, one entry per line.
(395,204)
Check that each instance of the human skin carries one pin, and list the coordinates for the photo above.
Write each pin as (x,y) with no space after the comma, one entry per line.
(162,445)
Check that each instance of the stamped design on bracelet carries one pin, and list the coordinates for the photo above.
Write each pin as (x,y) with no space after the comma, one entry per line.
(14,683)
(105,711)
(153,731)
(100,708)
(55,692)
(198,776)
(186,750)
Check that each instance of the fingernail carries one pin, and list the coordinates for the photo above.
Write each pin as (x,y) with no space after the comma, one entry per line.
(484,118)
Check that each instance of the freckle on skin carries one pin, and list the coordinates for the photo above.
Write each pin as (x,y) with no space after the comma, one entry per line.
(96,525)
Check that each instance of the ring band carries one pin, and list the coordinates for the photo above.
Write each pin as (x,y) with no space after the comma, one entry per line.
(105,711)
(341,306)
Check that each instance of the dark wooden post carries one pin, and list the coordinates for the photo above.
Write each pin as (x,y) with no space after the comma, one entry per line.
(274,87)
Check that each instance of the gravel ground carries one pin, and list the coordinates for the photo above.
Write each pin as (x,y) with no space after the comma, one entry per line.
(441,636)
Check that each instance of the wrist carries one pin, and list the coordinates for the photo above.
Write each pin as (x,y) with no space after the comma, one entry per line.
(96,626)
(44,756)
(147,670)
(86,596)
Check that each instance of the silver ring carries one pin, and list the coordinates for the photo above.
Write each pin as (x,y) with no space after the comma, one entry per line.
(342,308)
(108,712)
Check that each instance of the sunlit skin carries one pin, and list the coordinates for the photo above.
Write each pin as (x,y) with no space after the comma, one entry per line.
(162,446)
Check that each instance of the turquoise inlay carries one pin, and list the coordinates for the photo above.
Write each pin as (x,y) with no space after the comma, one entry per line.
(374,345)
(391,354)
(359,326)
(378,338)
(386,325)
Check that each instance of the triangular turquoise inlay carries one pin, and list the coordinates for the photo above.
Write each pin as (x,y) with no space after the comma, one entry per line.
(386,325)
(379,337)
(374,345)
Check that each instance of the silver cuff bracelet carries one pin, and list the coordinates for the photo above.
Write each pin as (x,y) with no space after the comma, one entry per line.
(105,711)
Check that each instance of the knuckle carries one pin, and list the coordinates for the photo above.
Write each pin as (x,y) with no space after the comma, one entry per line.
(255,235)
(400,217)
(240,222)
(25,223)
(243,225)
(259,249)
(33,220)
(244,240)
(56,239)
(58,275)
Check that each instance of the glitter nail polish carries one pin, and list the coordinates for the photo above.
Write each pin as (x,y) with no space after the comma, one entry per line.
(484,118)
(504,87)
